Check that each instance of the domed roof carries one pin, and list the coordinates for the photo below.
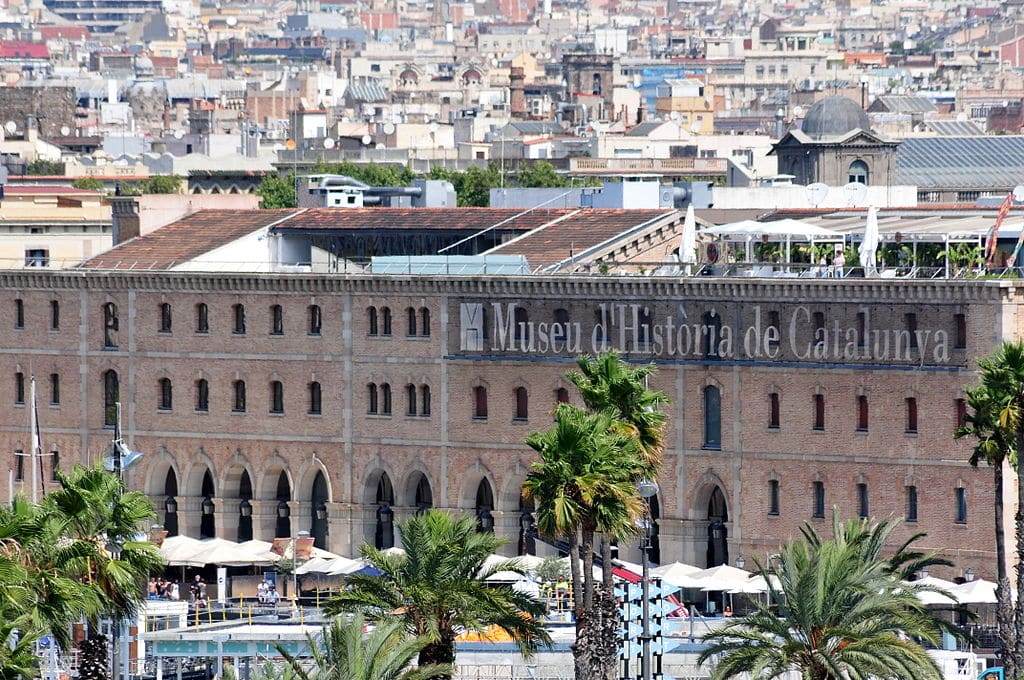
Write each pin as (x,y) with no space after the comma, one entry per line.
(834,117)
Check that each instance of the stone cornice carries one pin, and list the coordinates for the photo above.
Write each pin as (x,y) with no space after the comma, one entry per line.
(850,291)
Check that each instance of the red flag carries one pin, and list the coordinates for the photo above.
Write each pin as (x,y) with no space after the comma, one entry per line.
(992,241)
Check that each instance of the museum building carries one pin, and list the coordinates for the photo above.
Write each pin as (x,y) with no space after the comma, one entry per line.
(268,404)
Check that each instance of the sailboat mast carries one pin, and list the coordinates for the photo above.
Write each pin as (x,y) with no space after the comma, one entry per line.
(34,425)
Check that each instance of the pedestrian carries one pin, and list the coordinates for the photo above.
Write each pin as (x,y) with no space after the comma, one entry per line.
(261,592)
(175,593)
(839,262)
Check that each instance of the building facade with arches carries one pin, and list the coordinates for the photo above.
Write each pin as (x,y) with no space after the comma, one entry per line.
(341,405)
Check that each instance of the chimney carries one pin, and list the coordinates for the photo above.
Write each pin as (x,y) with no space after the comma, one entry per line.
(517,92)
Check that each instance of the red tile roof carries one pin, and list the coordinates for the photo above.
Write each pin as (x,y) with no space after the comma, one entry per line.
(186,239)
(19,49)
(579,231)
(30,190)
(63,32)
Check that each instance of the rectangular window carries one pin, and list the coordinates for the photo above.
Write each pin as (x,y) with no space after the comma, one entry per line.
(19,465)
(819,411)
(165,317)
(862,329)
(774,411)
(19,313)
(202,318)
(862,413)
(239,326)
(911,503)
(960,321)
(961,505)
(276,320)
(19,388)
(910,320)
(480,402)
(773,497)
(961,412)
(862,500)
(911,415)
(276,397)
(819,499)
(54,464)
(55,389)
(54,315)
(315,320)
(37,257)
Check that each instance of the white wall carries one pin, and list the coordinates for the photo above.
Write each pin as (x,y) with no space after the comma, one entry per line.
(795,196)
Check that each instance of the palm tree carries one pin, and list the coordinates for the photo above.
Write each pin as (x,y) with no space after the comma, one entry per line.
(845,614)
(437,588)
(97,521)
(342,652)
(584,482)
(997,421)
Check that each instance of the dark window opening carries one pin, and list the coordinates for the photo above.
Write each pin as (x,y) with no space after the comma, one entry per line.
(385,399)
(961,412)
(819,499)
(276,396)
(712,418)
(862,500)
(54,315)
(862,413)
(911,415)
(411,319)
(961,505)
(110,325)
(522,403)
(19,388)
(276,320)
(819,411)
(424,322)
(910,320)
(371,397)
(774,413)
(315,396)
(385,314)
(54,389)
(961,331)
(202,318)
(202,395)
(239,314)
(371,320)
(480,402)
(111,395)
(19,313)
(911,504)
(773,497)
(166,394)
(239,401)
(410,400)
(425,400)
(165,317)
(315,320)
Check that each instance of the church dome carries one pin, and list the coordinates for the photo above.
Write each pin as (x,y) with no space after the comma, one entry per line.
(834,117)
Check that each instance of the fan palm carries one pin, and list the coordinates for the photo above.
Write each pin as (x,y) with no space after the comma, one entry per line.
(341,652)
(584,482)
(997,421)
(845,615)
(437,588)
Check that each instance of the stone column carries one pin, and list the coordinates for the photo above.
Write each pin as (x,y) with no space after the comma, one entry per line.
(506,526)
(225,518)
(190,510)
(341,538)
(264,519)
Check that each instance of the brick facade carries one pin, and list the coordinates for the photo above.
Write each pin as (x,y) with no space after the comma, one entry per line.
(337,455)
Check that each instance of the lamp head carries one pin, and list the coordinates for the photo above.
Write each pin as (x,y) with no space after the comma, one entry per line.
(647,488)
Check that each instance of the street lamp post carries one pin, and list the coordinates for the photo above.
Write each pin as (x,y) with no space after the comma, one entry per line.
(526,526)
(295,577)
(647,490)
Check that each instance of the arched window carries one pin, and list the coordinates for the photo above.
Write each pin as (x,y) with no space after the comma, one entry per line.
(171,503)
(371,320)
(484,505)
(284,511)
(858,172)
(239,400)
(276,396)
(712,418)
(424,400)
(522,403)
(385,314)
(165,317)
(238,311)
(424,499)
(385,399)
(410,400)
(384,535)
(207,527)
(110,325)
(202,395)
(371,398)
(202,318)
(410,314)
(480,402)
(166,394)
(111,395)
(318,511)
(245,507)
(424,322)
(276,320)
(314,398)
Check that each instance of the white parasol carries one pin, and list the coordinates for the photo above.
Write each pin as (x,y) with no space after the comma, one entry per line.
(869,243)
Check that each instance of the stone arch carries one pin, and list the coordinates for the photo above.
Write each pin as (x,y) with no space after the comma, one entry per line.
(307,478)
(193,477)
(157,474)
(372,481)
(706,486)
(231,480)
(419,491)
(471,480)
(509,496)
(267,485)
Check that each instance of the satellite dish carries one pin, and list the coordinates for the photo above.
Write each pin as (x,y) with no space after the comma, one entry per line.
(366,140)
(816,193)
(232,21)
(290,144)
(65,130)
(433,126)
(695,127)
(855,193)
(11,127)
(1018,193)
(389,128)
(674,115)
(328,143)
(179,134)
(798,111)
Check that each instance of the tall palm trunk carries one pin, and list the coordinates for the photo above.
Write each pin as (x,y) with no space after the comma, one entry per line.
(1004,607)
(1018,612)
(580,652)
(440,652)
(606,563)
(588,566)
